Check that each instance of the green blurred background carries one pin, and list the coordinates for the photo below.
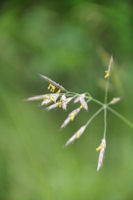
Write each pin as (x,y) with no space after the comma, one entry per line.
(69,41)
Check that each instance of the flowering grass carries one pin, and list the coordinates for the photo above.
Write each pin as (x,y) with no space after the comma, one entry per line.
(59,97)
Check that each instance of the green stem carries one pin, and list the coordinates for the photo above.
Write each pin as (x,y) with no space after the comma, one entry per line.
(105,121)
(97,101)
(121,117)
(87,97)
(106,91)
(93,116)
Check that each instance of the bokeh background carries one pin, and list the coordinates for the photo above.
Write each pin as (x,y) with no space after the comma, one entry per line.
(71,42)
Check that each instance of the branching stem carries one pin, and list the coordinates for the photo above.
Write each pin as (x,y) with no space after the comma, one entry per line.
(121,117)
(105,121)
(104,106)
(93,116)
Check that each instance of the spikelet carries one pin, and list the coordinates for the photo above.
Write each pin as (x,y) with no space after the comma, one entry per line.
(71,117)
(115,100)
(107,72)
(76,135)
(46,98)
(101,148)
(39,97)
(53,106)
(49,98)
(53,83)
(81,99)
(61,104)
(65,101)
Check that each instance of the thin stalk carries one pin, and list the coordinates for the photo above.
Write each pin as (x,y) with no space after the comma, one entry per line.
(97,101)
(106,96)
(105,121)
(93,116)
(87,97)
(106,91)
(121,117)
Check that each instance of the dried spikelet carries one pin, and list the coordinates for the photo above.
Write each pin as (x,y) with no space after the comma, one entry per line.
(101,148)
(76,135)
(115,100)
(81,99)
(71,117)
(53,82)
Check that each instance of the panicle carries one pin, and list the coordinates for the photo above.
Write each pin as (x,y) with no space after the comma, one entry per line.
(81,99)
(101,148)
(59,97)
(115,100)
(76,135)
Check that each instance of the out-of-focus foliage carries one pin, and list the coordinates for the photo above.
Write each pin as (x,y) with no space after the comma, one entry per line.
(68,41)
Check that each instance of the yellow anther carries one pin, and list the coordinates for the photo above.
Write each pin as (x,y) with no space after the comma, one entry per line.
(53,99)
(107,72)
(46,97)
(81,106)
(51,87)
(72,116)
(115,100)
(60,104)
(100,147)
(58,91)
(77,135)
